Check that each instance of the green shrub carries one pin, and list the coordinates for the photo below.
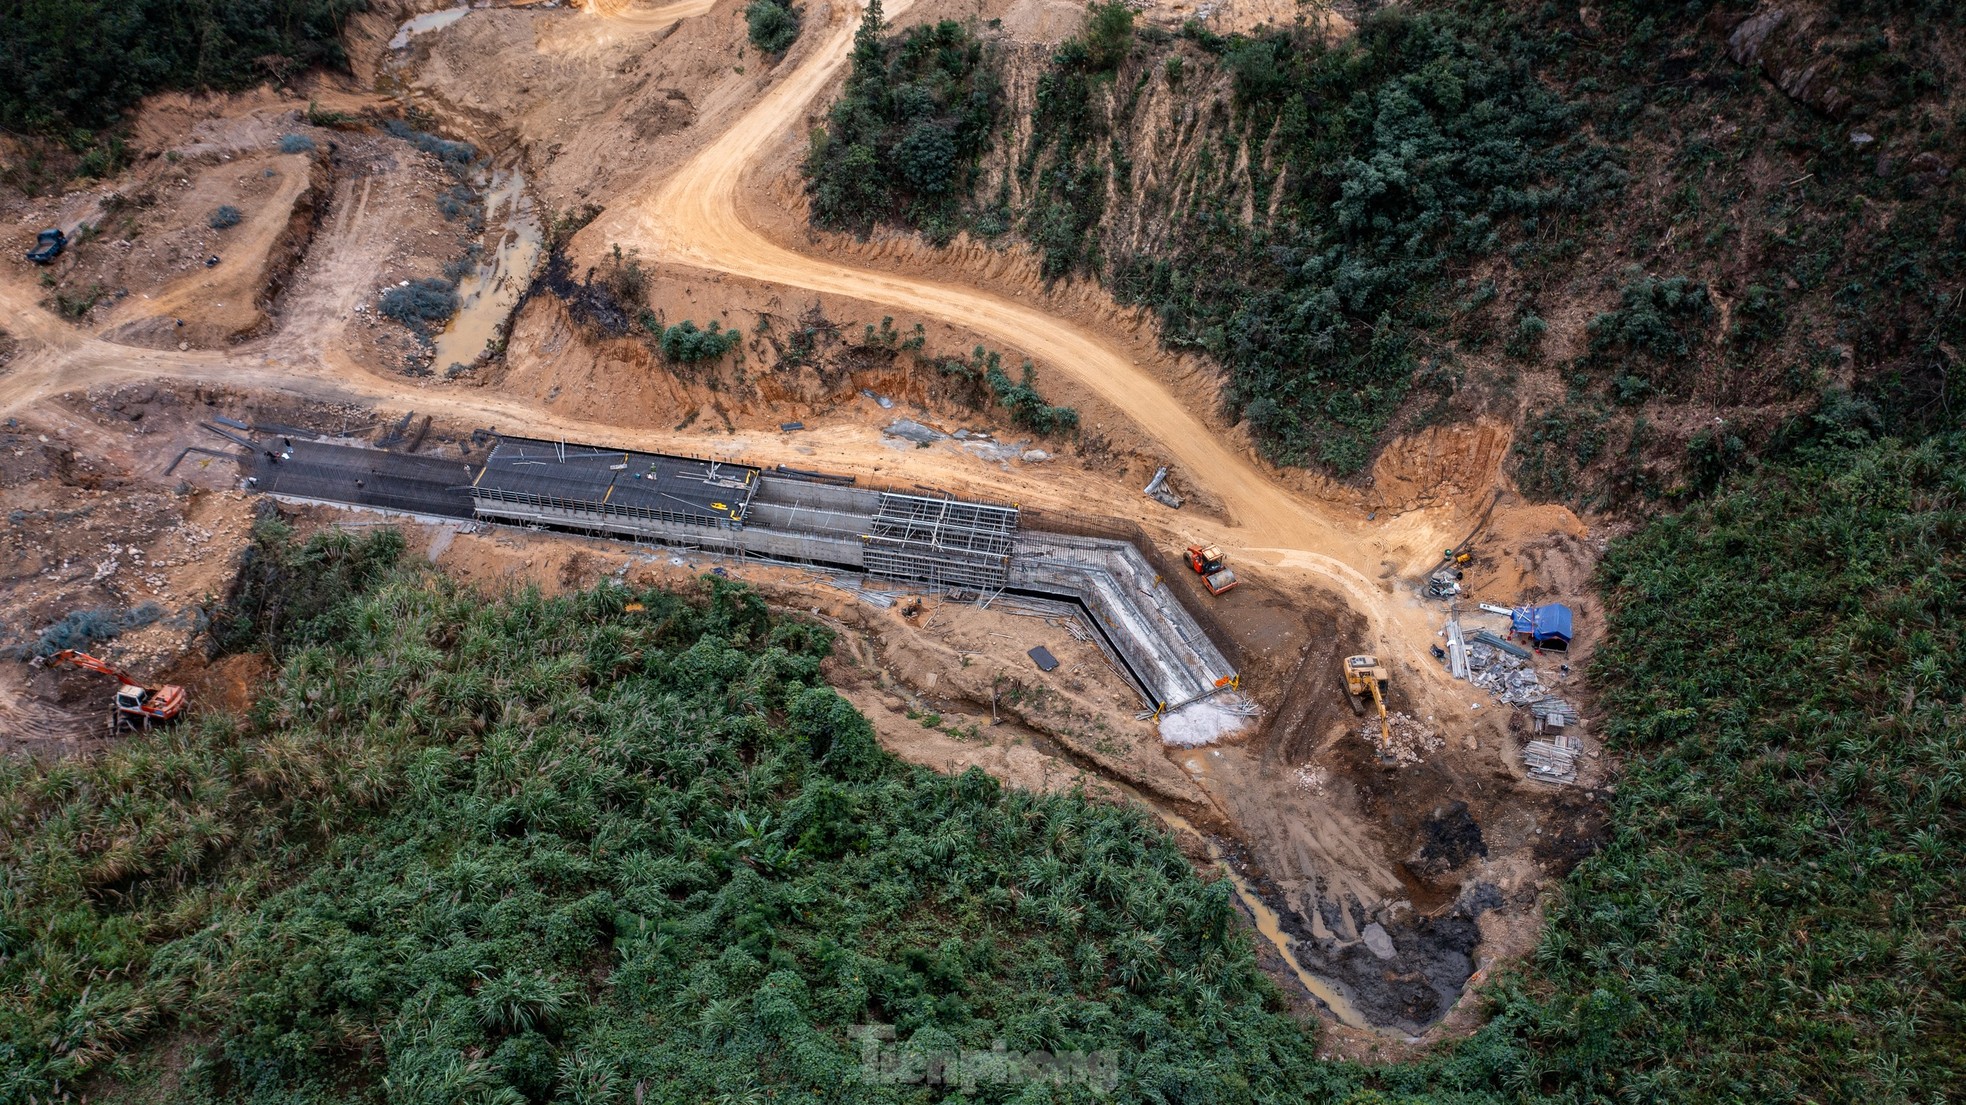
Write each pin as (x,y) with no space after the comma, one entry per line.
(1027,408)
(1108,34)
(1655,317)
(226,216)
(774,25)
(84,629)
(1527,336)
(455,154)
(421,303)
(318,116)
(685,344)
(296,143)
(457,200)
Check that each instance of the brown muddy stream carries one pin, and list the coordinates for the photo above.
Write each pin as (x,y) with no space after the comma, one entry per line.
(487,296)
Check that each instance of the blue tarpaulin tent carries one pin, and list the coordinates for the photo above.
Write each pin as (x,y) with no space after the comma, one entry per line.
(1547,626)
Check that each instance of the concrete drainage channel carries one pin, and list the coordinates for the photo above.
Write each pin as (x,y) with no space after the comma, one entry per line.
(906,539)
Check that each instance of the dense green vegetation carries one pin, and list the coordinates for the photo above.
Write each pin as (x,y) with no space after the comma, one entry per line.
(69,65)
(902,141)
(1423,139)
(773,25)
(530,848)
(686,344)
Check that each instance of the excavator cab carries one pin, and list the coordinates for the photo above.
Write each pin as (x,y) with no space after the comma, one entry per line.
(1364,676)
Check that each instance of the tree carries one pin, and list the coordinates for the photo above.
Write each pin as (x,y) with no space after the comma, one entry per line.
(774,25)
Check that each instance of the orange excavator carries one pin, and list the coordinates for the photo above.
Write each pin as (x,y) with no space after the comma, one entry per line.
(135,706)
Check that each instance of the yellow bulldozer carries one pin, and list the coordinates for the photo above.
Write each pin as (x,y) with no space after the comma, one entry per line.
(1365,676)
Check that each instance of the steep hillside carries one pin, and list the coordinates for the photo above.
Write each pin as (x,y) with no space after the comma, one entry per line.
(1649,239)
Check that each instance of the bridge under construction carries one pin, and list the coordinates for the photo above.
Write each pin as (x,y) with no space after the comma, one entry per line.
(928,541)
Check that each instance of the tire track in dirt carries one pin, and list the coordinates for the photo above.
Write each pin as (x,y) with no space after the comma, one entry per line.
(628,14)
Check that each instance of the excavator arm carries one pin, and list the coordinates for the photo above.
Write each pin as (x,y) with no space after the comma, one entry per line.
(89,663)
(1385,724)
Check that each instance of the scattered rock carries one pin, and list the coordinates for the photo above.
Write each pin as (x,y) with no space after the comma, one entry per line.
(913,431)
(1784,51)
(1036,456)
(1377,941)
(1412,740)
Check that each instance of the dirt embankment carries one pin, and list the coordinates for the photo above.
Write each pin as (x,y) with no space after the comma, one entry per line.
(196,244)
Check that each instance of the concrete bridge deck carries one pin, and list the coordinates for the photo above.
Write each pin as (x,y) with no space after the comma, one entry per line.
(1137,618)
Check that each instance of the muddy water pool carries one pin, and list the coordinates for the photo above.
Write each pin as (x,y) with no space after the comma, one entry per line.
(487,294)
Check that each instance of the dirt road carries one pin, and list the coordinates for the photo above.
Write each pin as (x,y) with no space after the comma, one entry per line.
(694,218)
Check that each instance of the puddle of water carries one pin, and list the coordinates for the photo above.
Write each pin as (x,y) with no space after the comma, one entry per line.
(428,21)
(1270,927)
(486,297)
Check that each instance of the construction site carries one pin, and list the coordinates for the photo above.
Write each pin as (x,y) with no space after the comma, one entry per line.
(1144,609)
(884,539)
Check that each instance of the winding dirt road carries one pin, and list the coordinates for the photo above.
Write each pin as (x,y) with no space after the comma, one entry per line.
(694,219)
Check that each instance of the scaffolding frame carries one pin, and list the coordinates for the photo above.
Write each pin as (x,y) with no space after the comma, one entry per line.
(941,543)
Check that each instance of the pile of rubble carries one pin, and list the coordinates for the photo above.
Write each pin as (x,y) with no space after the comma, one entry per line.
(1412,740)
(1552,755)
(1311,778)
(1506,677)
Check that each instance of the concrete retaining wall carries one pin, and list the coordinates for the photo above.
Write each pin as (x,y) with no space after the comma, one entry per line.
(1166,651)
